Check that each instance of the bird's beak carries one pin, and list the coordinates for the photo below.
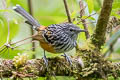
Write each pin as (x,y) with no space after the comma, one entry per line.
(81,30)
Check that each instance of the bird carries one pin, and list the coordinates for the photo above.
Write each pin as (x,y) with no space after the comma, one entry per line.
(55,38)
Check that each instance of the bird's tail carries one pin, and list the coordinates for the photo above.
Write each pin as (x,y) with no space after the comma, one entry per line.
(30,19)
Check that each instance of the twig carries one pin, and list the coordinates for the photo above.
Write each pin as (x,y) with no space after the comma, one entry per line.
(21,40)
(3,49)
(2,46)
(30,48)
(9,45)
(90,15)
(86,17)
(67,11)
(8,36)
(32,31)
(82,12)
(110,50)
(87,23)
(82,8)
(23,44)
(85,27)
(6,46)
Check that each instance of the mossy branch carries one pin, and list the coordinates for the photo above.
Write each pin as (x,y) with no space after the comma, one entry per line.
(98,38)
(36,68)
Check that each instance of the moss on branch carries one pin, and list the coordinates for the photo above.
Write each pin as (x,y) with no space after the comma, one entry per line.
(95,66)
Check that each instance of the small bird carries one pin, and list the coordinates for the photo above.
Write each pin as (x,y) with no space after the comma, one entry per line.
(55,38)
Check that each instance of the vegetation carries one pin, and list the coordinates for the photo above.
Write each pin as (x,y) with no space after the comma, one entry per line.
(95,57)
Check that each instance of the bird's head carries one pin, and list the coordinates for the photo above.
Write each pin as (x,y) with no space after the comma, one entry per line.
(72,30)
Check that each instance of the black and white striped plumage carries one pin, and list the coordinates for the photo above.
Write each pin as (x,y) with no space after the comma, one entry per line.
(62,36)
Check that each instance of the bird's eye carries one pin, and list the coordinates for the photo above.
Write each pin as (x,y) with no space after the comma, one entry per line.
(71,30)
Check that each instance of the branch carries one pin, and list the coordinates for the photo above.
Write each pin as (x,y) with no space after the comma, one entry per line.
(32,31)
(82,12)
(67,11)
(86,28)
(94,67)
(99,36)
(37,68)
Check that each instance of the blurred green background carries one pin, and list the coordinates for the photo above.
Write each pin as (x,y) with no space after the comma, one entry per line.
(53,12)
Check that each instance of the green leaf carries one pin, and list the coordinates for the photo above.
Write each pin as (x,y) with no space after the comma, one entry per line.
(90,5)
(84,17)
(115,13)
(23,3)
(9,53)
(73,14)
(116,5)
(8,2)
(4,29)
(5,10)
(97,5)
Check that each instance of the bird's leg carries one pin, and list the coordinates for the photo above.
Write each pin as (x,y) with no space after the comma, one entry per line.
(67,58)
(45,59)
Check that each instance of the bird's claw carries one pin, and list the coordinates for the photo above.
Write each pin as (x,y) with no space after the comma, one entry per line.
(46,61)
(68,59)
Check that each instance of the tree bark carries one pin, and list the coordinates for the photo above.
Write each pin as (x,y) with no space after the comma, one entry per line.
(98,38)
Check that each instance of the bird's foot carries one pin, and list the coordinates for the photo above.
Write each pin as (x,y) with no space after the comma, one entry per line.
(68,59)
(45,61)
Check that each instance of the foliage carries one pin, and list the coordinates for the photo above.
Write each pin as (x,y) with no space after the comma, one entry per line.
(52,12)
